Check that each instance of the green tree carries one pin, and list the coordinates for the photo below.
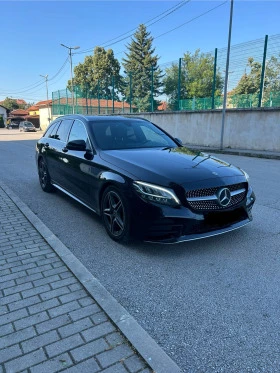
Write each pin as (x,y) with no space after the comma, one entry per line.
(249,83)
(98,70)
(196,78)
(141,63)
(10,104)
(170,83)
(246,93)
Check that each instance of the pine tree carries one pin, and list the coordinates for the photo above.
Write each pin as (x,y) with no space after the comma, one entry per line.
(141,64)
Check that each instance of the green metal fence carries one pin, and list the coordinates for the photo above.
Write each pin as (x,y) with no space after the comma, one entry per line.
(253,81)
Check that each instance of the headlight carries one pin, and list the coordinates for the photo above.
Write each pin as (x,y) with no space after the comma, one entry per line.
(246,175)
(154,193)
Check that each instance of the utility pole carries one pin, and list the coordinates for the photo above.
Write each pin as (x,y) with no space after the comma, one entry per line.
(71,71)
(46,79)
(226,76)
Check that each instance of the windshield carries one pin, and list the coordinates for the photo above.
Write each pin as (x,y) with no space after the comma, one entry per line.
(129,134)
(28,124)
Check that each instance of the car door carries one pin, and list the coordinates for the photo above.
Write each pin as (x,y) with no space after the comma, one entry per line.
(54,154)
(77,169)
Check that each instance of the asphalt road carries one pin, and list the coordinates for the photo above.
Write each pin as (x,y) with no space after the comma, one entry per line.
(213,305)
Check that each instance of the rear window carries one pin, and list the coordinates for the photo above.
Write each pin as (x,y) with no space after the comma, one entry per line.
(63,130)
(52,129)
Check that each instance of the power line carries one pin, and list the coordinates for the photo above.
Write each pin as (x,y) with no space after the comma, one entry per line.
(193,19)
(36,85)
(161,15)
(187,22)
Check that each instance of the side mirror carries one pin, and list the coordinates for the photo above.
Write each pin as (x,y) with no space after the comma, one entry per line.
(79,145)
(179,141)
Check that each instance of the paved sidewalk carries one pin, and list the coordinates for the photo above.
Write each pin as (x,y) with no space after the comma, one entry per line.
(54,315)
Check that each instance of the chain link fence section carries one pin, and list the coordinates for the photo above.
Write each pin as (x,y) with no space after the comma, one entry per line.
(253,81)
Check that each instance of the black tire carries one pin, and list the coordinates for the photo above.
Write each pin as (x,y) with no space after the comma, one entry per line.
(44,177)
(116,215)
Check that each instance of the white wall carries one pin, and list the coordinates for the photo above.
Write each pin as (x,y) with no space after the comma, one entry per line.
(3,113)
(44,114)
(252,129)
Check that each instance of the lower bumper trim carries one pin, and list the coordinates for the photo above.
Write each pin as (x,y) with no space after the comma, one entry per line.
(198,236)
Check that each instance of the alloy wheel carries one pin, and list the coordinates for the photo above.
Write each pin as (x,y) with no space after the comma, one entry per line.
(114,213)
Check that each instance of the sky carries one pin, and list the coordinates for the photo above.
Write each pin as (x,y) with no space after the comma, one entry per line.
(32,33)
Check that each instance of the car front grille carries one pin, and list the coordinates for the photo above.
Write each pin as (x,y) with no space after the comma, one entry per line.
(207,200)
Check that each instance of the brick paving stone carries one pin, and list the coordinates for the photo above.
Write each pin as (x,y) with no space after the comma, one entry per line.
(99,317)
(118,368)
(115,339)
(31,320)
(89,349)
(65,275)
(46,280)
(65,308)
(54,293)
(88,366)
(39,269)
(57,282)
(40,341)
(43,306)
(17,337)
(3,310)
(85,311)
(35,291)
(113,356)
(98,331)
(134,364)
(10,298)
(9,353)
(75,327)
(12,316)
(54,271)
(54,365)
(64,345)
(6,329)
(25,361)
(18,288)
(17,257)
(53,323)
(24,303)
(75,287)
(75,295)
(85,301)
(8,284)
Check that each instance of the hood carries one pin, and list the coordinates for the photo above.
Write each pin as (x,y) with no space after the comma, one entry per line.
(170,165)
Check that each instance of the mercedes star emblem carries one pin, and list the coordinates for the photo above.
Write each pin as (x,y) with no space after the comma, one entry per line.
(224,197)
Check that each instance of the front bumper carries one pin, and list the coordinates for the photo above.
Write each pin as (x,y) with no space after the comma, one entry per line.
(174,225)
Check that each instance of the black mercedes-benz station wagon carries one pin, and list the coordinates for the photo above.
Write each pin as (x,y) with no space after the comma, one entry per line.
(141,180)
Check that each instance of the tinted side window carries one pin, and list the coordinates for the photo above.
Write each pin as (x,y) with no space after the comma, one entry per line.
(52,129)
(63,130)
(78,132)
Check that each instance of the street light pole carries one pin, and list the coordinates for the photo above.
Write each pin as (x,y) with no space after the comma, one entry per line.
(46,78)
(226,76)
(71,70)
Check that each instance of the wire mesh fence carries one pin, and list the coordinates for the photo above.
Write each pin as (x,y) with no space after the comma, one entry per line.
(193,82)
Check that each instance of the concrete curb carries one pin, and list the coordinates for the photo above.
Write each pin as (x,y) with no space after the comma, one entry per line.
(150,351)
